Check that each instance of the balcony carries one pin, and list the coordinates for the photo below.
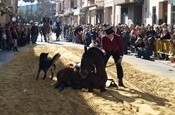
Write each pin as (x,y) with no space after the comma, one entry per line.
(60,11)
(68,11)
(88,3)
(99,3)
(76,11)
(120,2)
(6,9)
(108,3)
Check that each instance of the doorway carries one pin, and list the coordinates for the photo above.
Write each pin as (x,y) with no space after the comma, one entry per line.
(163,12)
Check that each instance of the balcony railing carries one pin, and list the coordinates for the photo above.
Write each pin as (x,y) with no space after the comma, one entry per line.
(68,11)
(99,3)
(88,3)
(127,1)
(60,11)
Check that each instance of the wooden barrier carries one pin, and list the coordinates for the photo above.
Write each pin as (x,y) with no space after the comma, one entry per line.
(165,47)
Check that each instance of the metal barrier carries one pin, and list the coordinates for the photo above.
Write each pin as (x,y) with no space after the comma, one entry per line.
(165,47)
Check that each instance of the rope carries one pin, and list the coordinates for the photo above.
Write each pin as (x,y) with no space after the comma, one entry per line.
(111,65)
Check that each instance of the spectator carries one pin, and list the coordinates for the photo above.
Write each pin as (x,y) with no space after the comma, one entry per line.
(147,50)
(125,38)
(15,38)
(165,34)
(139,46)
(9,37)
(34,33)
(173,39)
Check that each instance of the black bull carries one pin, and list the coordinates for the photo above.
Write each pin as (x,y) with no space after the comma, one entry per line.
(91,74)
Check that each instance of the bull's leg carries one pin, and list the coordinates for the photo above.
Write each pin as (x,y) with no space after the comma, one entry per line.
(102,89)
(38,73)
(90,89)
(57,86)
(45,74)
(60,86)
(53,70)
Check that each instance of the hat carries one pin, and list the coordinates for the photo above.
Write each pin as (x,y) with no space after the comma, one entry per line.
(108,30)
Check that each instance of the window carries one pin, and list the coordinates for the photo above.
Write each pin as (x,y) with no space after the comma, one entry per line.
(173,15)
(154,16)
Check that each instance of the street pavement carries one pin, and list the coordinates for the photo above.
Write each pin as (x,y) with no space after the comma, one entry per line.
(157,67)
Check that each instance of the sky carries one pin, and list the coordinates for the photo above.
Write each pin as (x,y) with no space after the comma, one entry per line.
(21,3)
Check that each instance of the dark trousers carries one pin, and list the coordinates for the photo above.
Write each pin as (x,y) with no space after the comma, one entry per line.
(116,57)
(34,38)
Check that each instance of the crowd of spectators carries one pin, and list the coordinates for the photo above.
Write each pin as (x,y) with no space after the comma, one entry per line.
(14,35)
(138,39)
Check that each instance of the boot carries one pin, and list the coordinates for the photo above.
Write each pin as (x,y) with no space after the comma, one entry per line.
(11,46)
(120,83)
(15,49)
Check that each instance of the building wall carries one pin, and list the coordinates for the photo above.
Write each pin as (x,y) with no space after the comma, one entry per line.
(108,11)
(160,11)
(108,3)
(75,19)
(108,15)
(113,15)
(117,15)
(93,17)
(147,11)
(59,7)
(130,15)
(6,18)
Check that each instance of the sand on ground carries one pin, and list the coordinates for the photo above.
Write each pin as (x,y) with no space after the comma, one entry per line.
(21,94)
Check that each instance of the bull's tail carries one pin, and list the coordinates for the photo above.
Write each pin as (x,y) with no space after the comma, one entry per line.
(55,59)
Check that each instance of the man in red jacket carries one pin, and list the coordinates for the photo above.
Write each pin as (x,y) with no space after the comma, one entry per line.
(112,46)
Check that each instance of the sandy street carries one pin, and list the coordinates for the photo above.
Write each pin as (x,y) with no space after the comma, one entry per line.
(21,94)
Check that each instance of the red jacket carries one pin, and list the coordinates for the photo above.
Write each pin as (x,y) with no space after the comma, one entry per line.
(115,45)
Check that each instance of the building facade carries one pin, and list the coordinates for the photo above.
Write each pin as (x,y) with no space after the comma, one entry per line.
(89,15)
(118,11)
(108,11)
(159,11)
(8,9)
(96,12)
(128,11)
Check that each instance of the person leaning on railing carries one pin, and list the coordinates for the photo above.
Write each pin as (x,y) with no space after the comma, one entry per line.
(165,35)
(172,40)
